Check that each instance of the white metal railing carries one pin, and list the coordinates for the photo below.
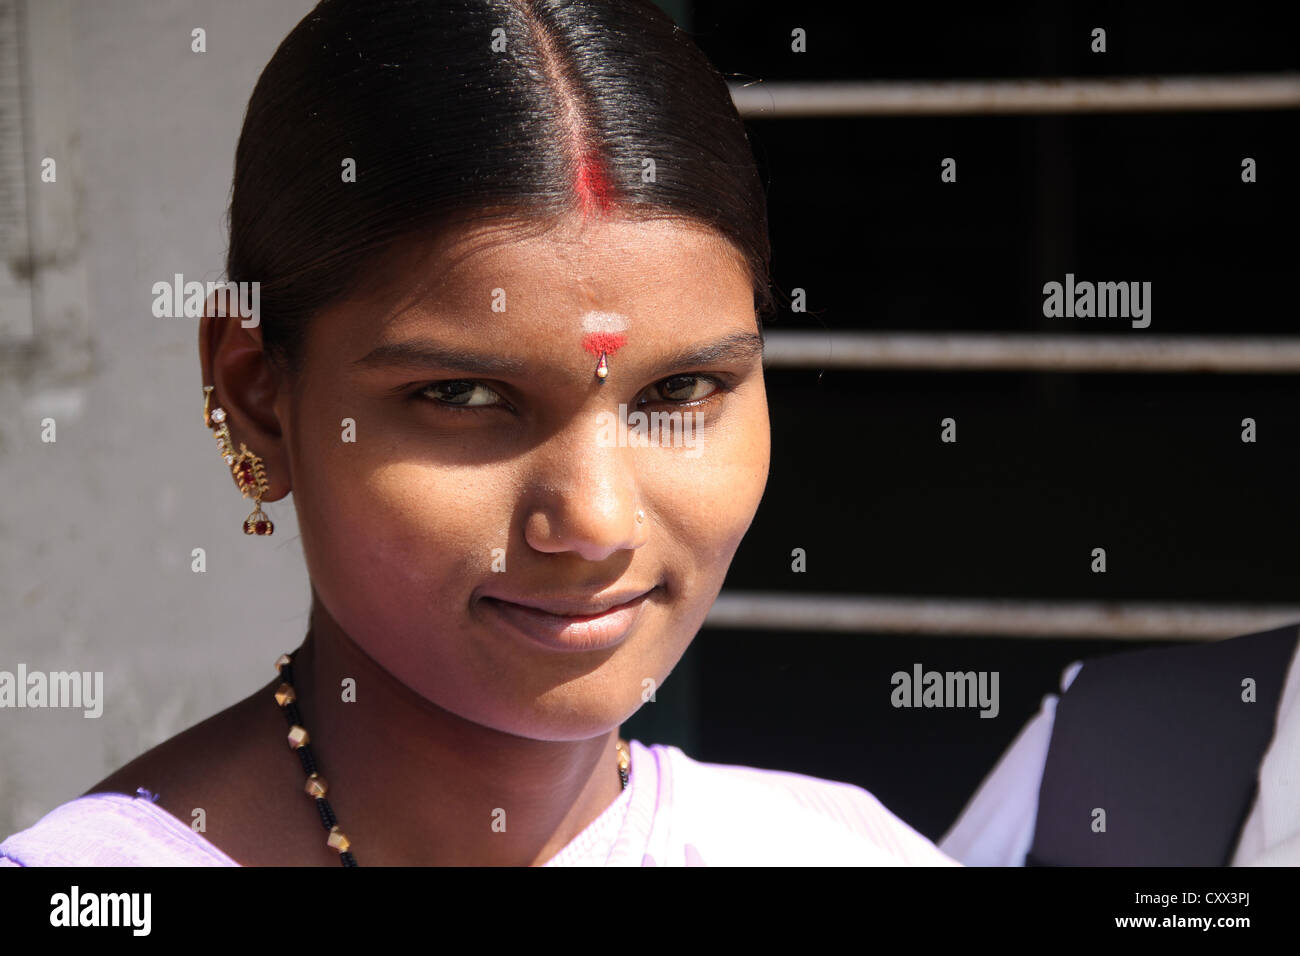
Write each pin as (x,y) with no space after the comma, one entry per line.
(781,100)
(1044,352)
(1136,352)
(945,616)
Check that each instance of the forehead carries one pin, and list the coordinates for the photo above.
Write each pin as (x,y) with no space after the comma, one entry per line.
(560,272)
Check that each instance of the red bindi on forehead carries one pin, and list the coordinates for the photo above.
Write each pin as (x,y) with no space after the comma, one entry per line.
(603,342)
(603,332)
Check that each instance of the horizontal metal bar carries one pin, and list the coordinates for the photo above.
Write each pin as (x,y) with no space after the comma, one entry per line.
(1117,621)
(781,100)
(1137,352)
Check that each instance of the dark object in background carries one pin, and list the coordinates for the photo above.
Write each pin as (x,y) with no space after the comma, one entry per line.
(1047,466)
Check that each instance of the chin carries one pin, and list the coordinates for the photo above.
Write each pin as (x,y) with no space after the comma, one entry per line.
(563,724)
(587,707)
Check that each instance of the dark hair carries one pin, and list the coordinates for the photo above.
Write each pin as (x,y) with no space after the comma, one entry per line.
(447,131)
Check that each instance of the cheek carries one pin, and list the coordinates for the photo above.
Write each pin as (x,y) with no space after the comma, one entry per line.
(390,541)
(706,503)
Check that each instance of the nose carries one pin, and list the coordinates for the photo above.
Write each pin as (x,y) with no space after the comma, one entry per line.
(585,499)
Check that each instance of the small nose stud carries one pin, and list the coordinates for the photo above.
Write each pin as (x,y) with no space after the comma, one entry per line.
(640,516)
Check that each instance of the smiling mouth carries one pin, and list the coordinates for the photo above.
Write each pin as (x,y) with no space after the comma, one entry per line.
(554,626)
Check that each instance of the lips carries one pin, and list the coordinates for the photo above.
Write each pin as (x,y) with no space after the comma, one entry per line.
(572,623)
(577,607)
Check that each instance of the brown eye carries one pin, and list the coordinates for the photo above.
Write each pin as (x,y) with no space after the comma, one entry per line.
(461,393)
(686,388)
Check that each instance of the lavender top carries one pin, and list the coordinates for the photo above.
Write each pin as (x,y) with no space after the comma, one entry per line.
(675,812)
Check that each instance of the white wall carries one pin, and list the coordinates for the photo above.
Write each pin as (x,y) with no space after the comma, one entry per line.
(97,528)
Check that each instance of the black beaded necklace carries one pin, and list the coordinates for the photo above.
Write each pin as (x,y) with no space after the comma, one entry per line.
(316,787)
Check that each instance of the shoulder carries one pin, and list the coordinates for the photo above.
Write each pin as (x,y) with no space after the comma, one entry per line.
(1272,650)
(737,815)
(202,773)
(176,768)
(110,829)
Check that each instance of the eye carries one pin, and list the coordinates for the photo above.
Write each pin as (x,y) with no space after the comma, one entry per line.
(461,393)
(686,389)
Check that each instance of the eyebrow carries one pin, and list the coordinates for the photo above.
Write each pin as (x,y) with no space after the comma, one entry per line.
(420,354)
(737,346)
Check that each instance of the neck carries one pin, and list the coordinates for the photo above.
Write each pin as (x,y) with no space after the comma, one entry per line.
(413,784)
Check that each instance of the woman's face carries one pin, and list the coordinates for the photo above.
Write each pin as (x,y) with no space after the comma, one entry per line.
(488,468)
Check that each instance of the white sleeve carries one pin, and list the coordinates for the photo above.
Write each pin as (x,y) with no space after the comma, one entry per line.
(997,825)
(1271,833)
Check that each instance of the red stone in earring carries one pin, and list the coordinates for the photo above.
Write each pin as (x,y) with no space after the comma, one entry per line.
(250,475)
(248,471)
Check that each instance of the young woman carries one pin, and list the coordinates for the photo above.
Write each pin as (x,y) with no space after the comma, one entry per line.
(487,235)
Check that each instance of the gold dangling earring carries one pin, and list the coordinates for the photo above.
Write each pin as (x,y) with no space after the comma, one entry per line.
(246,467)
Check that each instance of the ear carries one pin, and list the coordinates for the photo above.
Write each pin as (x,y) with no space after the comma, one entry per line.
(249,387)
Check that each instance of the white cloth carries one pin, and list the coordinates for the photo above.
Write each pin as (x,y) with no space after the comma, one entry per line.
(1271,835)
(676,811)
(996,827)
